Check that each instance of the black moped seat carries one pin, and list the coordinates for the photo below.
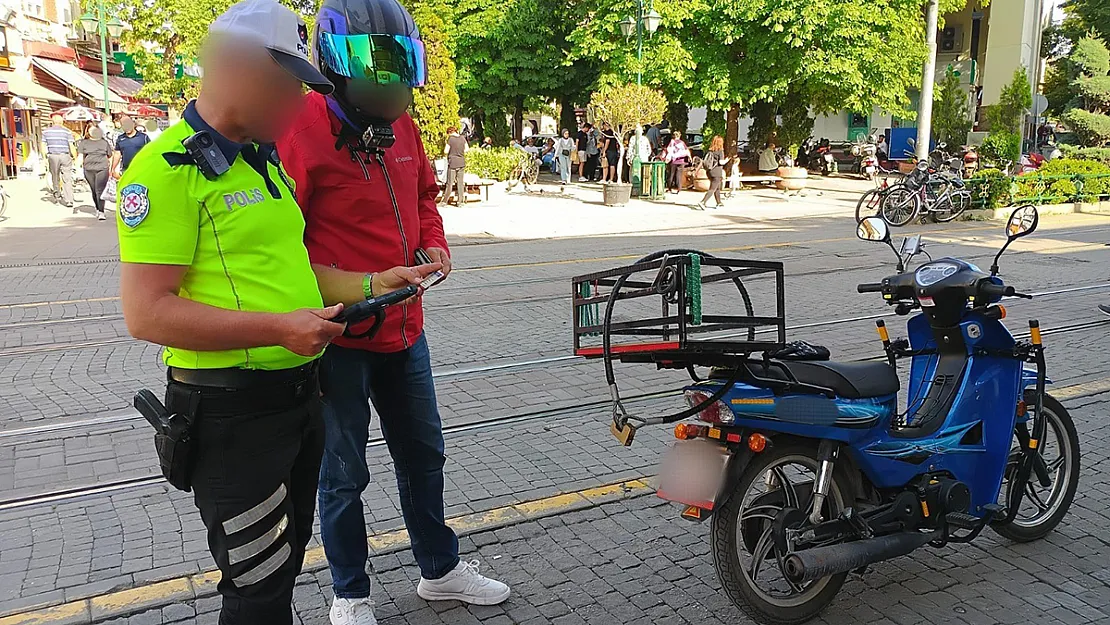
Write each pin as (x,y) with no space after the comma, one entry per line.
(852,380)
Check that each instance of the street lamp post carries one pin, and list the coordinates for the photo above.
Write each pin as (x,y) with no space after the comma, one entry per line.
(113,27)
(644,21)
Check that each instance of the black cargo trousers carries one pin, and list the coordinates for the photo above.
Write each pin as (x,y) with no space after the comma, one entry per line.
(257,466)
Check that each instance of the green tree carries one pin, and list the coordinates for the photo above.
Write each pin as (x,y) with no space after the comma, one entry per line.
(624,107)
(1016,98)
(435,108)
(951,121)
(1082,81)
(166,33)
(511,56)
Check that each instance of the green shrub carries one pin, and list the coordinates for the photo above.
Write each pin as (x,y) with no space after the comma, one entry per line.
(1100,155)
(1000,146)
(495,163)
(1091,180)
(989,188)
(1093,129)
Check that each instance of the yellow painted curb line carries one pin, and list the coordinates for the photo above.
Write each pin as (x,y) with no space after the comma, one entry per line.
(132,600)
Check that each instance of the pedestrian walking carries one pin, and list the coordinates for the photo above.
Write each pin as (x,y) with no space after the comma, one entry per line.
(714,162)
(128,144)
(676,154)
(214,268)
(94,156)
(58,145)
(369,202)
(563,148)
(456,166)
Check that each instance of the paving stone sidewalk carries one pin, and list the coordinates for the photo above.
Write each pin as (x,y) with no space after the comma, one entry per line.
(635,562)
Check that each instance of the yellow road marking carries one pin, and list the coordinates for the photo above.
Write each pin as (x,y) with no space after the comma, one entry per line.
(124,602)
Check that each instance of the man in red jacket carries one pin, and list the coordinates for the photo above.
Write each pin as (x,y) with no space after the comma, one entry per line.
(368,194)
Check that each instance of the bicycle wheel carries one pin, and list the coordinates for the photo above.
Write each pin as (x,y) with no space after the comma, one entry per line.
(869,204)
(958,202)
(900,205)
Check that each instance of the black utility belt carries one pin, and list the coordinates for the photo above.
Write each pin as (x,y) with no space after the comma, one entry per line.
(195,394)
(232,392)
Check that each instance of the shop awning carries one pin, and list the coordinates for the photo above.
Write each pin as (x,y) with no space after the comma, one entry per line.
(20,85)
(126,87)
(77,78)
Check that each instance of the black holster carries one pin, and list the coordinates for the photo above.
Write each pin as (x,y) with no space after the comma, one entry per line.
(173,424)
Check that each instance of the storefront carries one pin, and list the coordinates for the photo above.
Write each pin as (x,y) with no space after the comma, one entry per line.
(25,108)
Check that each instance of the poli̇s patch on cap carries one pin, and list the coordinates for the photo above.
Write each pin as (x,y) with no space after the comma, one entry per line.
(134,204)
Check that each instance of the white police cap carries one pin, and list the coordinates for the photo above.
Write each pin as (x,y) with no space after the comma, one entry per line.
(278,29)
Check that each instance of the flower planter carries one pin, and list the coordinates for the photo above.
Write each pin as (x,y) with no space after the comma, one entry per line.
(793,178)
(617,194)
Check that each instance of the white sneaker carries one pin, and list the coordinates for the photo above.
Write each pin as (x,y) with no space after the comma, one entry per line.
(352,612)
(463,584)
(582,179)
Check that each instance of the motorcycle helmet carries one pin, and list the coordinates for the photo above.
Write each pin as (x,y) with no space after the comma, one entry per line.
(371,51)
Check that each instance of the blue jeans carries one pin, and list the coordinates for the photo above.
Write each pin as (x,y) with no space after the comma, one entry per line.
(401,389)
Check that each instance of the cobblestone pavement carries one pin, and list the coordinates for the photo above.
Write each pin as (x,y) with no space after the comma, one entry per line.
(636,563)
(509,307)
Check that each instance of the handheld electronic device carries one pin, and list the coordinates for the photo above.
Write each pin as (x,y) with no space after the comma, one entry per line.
(433,278)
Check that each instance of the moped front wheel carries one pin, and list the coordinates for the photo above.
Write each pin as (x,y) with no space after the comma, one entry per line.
(1043,507)
(744,553)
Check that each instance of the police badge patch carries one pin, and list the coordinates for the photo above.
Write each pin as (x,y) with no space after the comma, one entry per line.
(133,204)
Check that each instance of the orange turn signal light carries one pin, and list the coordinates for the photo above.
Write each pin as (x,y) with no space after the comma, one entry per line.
(1022,408)
(757,442)
(1001,312)
(681,432)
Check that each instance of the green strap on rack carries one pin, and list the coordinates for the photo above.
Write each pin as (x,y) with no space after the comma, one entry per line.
(693,285)
(589,314)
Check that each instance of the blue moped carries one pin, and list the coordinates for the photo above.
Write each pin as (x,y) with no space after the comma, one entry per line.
(811,469)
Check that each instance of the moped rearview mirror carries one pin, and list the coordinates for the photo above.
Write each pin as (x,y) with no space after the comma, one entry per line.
(876,229)
(873,229)
(1022,221)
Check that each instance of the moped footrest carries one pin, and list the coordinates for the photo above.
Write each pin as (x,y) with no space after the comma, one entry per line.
(962,520)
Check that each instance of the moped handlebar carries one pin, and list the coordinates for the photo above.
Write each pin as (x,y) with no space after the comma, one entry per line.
(990,289)
(870,288)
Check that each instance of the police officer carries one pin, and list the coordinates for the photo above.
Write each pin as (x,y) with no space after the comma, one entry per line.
(369,196)
(214,268)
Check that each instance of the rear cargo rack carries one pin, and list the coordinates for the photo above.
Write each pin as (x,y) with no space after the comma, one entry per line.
(687,324)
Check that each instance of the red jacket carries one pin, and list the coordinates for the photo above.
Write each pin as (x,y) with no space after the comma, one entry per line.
(351,222)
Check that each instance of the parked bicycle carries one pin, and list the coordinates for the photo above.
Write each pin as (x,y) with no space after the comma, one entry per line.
(870,203)
(928,193)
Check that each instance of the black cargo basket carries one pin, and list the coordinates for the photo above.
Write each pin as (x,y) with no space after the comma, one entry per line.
(678,308)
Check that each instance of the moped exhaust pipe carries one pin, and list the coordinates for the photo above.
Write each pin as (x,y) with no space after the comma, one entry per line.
(810,564)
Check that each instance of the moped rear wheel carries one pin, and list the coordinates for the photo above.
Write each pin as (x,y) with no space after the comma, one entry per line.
(1042,508)
(747,561)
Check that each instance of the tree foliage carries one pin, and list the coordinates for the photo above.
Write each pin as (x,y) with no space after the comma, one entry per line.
(435,107)
(1016,98)
(951,120)
(626,106)
(165,33)
(1080,83)
(511,56)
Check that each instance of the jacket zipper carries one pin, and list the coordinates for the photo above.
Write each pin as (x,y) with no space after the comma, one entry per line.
(404,240)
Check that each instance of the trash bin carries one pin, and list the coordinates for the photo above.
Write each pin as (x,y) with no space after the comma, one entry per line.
(652,180)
